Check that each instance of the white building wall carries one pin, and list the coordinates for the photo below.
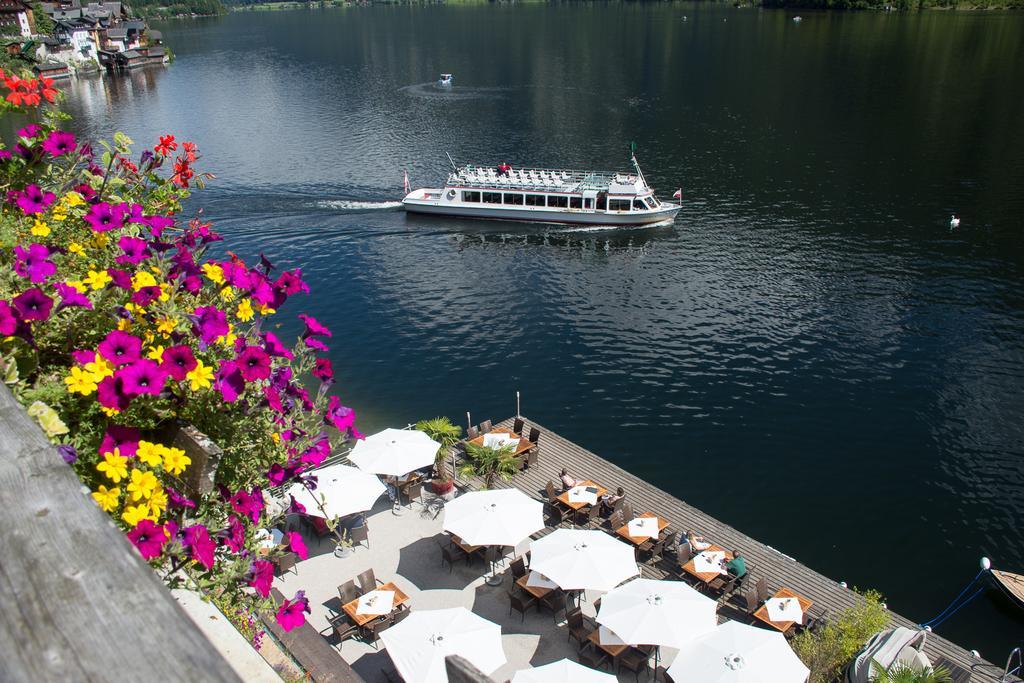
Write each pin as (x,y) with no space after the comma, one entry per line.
(82,46)
(26,30)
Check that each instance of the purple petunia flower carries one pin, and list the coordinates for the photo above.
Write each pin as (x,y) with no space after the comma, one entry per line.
(120,347)
(103,217)
(210,323)
(290,282)
(261,576)
(134,249)
(339,416)
(324,370)
(297,545)
(315,454)
(175,499)
(234,536)
(291,614)
(33,200)
(124,439)
(313,327)
(229,381)
(273,399)
(30,131)
(5,155)
(59,143)
(157,224)
(146,295)
(69,296)
(8,319)
(274,347)
(110,393)
(149,537)
(197,538)
(120,278)
(34,262)
(253,363)
(68,452)
(142,376)
(178,361)
(32,304)
(315,344)
(248,503)
(296,506)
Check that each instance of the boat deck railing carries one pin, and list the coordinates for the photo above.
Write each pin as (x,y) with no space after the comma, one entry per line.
(538,179)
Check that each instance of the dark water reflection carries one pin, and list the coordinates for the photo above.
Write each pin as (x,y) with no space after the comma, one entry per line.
(810,353)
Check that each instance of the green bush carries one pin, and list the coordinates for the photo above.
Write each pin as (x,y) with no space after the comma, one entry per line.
(828,649)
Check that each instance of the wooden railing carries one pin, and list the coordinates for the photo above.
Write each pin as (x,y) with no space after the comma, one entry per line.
(77,603)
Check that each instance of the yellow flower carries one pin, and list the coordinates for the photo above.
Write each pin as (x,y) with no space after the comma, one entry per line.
(263,309)
(156,353)
(97,279)
(134,308)
(165,292)
(107,498)
(133,514)
(165,325)
(124,324)
(158,501)
(80,381)
(245,312)
(199,377)
(143,279)
(40,228)
(100,368)
(150,453)
(175,460)
(109,412)
(59,215)
(72,199)
(229,338)
(114,465)
(142,484)
(276,437)
(227,294)
(100,239)
(78,285)
(76,248)
(214,272)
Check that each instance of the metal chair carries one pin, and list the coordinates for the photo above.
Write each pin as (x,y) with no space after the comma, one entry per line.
(367,581)
(485,426)
(594,657)
(761,589)
(285,563)
(413,491)
(472,432)
(343,627)
(634,659)
(347,592)
(371,631)
(586,516)
(518,568)
(550,490)
(359,534)
(450,554)
(520,602)
(534,435)
(577,626)
(554,601)
(531,458)
(517,426)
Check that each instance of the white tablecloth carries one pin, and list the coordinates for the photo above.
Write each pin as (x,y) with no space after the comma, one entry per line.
(643,527)
(376,603)
(538,580)
(708,561)
(500,440)
(784,609)
(580,494)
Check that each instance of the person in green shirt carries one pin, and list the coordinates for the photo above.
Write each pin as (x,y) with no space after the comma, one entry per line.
(737,566)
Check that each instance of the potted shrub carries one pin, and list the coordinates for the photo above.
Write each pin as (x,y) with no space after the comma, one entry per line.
(441,430)
(487,462)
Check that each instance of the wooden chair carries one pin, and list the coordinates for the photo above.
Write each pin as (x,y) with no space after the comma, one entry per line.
(517,425)
(550,490)
(657,551)
(534,437)
(661,674)
(485,426)
(359,534)
(343,627)
(520,602)
(451,553)
(285,563)
(414,491)
(347,592)
(577,626)
(634,659)
(371,631)
(531,458)
(472,432)
(594,657)
(684,553)
(587,515)
(399,614)
(518,568)
(555,602)
(749,604)
(616,521)
(627,512)
(367,581)
(761,589)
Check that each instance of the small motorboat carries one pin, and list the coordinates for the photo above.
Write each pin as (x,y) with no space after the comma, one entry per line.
(1011,584)
(954,222)
(445,81)
(798,19)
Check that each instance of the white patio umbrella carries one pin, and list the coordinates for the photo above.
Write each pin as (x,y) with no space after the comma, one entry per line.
(341,490)
(578,560)
(498,517)
(394,452)
(419,643)
(737,653)
(562,671)
(648,612)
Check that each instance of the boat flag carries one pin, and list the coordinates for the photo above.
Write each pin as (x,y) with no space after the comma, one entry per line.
(678,194)
(406,182)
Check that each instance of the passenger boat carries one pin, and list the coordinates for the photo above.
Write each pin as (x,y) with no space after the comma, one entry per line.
(1011,584)
(544,196)
(445,81)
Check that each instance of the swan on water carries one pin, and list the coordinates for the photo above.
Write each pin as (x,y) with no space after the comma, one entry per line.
(954,222)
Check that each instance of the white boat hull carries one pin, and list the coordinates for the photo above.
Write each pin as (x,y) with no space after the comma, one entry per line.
(540,214)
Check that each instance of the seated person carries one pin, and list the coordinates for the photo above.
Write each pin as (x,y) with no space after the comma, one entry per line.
(567,481)
(609,500)
(737,566)
(503,168)
(698,544)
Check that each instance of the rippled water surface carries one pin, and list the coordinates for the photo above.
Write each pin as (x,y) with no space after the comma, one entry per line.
(809,353)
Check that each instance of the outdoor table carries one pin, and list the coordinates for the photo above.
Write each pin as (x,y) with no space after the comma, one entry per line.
(524,444)
(614,645)
(623,531)
(351,608)
(706,577)
(564,497)
(466,548)
(762,612)
(536,591)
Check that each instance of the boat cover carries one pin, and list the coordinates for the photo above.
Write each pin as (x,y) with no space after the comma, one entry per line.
(887,647)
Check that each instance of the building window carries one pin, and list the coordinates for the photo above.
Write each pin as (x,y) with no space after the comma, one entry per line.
(470,196)
(638,205)
(492,197)
(650,202)
(575,202)
(535,200)
(588,203)
(558,201)
(516,199)
(618,205)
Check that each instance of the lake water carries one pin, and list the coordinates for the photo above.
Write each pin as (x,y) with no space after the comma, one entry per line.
(809,353)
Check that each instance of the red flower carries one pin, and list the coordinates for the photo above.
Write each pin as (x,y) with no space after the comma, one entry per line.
(166,145)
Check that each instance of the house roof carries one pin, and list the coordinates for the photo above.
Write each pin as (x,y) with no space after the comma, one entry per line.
(134,25)
(51,66)
(131,54)
(156,51)
(67,14)
(116,33)
(112,7)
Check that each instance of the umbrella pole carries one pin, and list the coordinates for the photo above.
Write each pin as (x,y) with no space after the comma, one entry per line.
(518,414)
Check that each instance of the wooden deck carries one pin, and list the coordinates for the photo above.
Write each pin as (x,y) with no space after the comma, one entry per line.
(779,570)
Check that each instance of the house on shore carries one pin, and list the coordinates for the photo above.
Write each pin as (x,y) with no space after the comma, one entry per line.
(54,70)
(17,14)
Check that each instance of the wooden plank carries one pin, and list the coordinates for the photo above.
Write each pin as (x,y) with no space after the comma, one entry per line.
(778,569)
(77,603)
(309,649)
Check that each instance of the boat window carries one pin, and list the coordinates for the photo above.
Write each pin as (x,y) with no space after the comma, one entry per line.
(535,200)
(513,198)
(492,198)
(588,203)
(470,196)
(638,205)
(575,202)
(650,202)
(559,201)
(618,205)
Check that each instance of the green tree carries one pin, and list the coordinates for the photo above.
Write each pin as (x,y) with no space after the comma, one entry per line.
(828,649)
(44,24)
(489,463)
(441,430)
(901,673)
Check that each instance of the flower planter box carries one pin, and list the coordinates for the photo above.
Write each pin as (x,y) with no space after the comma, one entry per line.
(205,454)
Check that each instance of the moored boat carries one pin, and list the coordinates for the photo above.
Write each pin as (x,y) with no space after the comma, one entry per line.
(544,196)
(1011,584)
(446,80)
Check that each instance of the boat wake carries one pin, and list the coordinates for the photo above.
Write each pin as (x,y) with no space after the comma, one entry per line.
(433,91)
(352,206)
